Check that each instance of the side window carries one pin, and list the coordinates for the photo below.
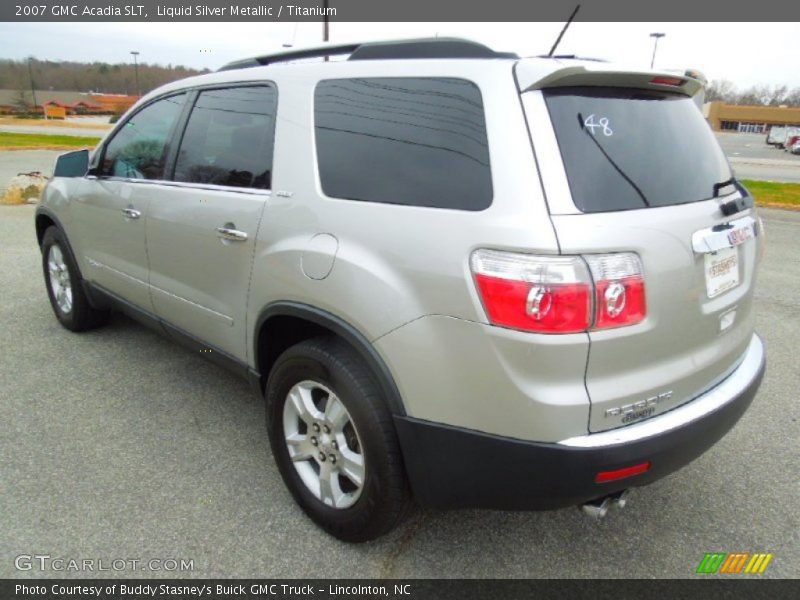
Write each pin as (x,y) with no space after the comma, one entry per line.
(229,138)
(413,141)
(139,149)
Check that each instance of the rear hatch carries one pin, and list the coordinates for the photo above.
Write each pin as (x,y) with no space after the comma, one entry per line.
(646,175)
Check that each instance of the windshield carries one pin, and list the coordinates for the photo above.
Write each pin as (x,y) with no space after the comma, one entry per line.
(625,149)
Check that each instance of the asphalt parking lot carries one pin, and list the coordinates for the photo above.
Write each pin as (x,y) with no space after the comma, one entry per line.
(118,444)
(751,158)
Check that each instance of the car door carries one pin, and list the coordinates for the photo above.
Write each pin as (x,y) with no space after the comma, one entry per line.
(201,229)
(109,210)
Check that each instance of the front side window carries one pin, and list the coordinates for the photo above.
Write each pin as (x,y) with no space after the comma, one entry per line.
(229,138)
(139,149)
(413,141)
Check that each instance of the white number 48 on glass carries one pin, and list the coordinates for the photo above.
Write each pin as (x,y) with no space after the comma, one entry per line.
(591,124)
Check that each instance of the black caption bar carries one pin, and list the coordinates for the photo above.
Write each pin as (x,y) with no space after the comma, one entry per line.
(400,10)
(416,589)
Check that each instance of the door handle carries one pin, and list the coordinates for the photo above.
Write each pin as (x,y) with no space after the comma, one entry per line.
(131,213)
(234,235)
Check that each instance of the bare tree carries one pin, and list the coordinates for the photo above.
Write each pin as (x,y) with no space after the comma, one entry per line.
(723,90)
(82,77)
(752,96)
(22,100)
(720,90)
(778,95)
(793,97)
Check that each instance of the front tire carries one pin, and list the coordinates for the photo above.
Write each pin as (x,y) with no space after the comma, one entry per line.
(65,286)
(334,441)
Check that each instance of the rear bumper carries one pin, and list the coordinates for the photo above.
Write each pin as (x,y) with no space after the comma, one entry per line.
(450,467)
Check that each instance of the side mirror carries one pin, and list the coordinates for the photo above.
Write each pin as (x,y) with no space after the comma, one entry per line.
(72,164)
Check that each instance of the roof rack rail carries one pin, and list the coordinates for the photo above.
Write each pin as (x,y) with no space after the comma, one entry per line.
(426,48)
(408,49)
(268,59)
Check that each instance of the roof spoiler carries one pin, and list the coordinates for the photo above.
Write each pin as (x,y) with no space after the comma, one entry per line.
(600,74)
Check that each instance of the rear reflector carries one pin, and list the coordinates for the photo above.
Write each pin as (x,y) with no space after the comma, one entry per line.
(606,476)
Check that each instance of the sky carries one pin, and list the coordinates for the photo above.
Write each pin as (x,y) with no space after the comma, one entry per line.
(744,53)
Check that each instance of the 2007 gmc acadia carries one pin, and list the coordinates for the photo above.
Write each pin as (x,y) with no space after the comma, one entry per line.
(455,275)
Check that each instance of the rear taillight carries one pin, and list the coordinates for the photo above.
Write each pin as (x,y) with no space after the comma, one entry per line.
(548,294)
(619,289)
(555,294)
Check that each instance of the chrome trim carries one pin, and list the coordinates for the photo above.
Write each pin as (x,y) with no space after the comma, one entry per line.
(100,265)
(696,409)
(131,213)
(208,311)
(192,186)
(233,235)
(706,241)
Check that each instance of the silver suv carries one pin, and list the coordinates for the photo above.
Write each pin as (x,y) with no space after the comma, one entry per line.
(455,275)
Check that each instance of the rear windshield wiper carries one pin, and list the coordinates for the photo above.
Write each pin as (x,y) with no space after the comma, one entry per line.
(731,207)
(617,168)
(723,184)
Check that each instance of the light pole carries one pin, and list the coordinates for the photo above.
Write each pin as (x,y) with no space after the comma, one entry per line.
(136,71)
(655,36)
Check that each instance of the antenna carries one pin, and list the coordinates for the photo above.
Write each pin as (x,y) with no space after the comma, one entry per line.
(564,29)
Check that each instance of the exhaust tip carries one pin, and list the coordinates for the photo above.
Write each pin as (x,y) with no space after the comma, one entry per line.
(597,509)
(621,499)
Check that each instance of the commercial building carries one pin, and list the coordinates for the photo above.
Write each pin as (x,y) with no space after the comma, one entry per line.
(749,119)
(72,102)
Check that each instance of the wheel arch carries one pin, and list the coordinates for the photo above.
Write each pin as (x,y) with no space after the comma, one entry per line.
(43,220)
(280,325)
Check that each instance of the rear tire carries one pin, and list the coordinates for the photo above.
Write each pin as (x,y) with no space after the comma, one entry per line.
(320,393)
(65,286)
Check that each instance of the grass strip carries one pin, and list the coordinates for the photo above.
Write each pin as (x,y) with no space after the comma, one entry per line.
(38,141)
(774,193)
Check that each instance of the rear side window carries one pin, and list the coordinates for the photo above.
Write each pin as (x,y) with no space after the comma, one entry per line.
(139,149)
(412,141)
(229,138)
(625,149)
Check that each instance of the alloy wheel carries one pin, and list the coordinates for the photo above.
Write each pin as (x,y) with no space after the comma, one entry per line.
(323,444)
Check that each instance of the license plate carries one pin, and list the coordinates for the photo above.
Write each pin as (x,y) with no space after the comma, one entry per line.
(722,271)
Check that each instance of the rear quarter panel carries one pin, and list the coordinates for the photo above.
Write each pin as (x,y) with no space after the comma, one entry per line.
(394,263)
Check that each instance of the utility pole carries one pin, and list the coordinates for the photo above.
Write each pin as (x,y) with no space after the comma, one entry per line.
(33,86)
(136,71)
(325,22)
(655,36)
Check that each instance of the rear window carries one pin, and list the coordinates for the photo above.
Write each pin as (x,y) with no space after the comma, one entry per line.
(626,149)
(417,141)
(228,139)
